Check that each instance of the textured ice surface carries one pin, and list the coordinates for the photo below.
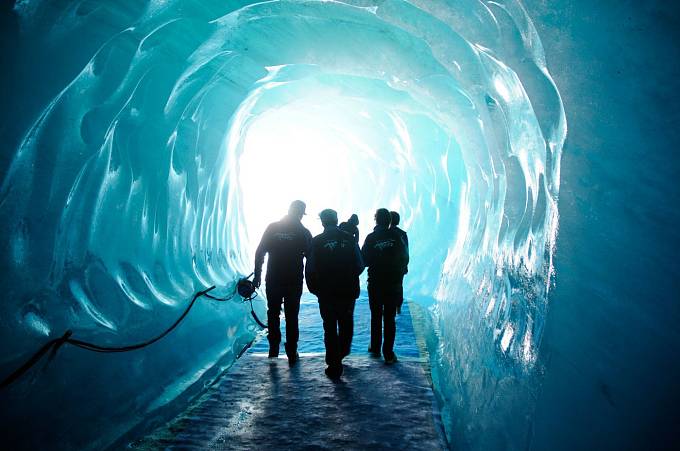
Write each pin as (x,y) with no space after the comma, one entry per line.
(262,403)
(131,189)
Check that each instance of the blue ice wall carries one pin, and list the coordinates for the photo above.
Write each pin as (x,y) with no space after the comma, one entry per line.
(611,341)
(122,192)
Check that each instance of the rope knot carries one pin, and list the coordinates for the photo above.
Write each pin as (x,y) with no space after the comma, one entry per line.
(64,338)
(53,345)
(58,343)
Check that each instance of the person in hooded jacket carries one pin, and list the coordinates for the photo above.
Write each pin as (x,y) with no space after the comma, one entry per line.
(287,242)
(332,274)
(350,226)
(385,255)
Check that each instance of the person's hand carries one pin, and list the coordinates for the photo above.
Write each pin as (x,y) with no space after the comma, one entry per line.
(257,281)
(398,309)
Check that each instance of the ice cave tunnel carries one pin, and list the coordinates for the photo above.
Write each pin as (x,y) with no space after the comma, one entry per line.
(165,135)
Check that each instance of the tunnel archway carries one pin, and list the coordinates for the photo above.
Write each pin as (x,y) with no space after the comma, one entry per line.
(140,182)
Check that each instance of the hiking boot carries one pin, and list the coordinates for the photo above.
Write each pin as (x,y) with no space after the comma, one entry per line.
(291,352)
(374,354)
(391,359)
(273,351)
(292,360)
(334,371)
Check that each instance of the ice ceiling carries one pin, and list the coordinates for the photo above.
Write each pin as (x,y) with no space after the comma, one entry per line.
(154,171)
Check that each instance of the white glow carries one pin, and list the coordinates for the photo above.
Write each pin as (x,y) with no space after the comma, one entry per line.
(502,88)
(508,333)
(297,152)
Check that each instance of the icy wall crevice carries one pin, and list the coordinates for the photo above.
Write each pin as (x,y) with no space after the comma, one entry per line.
(127,193)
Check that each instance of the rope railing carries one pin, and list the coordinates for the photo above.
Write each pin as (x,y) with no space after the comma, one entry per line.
(55,344)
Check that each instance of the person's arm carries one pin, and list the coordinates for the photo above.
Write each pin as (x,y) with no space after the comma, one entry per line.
(403,254)
(358,260)
(261,251)
(407,253)
(310,270)
(366,251)
(307,244)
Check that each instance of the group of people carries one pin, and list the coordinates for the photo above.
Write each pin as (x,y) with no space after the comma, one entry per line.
(334,263)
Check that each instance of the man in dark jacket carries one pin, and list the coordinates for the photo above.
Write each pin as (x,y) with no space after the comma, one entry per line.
(404,237)
(287,242)
(385,256)
(350,226)
(332,274)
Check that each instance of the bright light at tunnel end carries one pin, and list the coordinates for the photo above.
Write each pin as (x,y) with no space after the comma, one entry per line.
(303,151)
(287,158)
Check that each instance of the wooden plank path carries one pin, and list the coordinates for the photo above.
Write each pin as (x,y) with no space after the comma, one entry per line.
(261,403)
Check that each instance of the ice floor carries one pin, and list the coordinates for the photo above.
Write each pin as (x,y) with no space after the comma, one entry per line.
(261,403)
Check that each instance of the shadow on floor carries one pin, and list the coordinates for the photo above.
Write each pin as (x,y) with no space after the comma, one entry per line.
(261,403)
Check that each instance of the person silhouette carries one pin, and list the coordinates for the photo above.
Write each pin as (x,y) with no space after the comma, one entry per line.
(404,237)
(385,256)
(332,274)
(350,226)
(287,242)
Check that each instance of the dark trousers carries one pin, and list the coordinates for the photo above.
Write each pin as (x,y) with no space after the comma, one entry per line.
(338,328)
(290,296)
(401,292)
(383,301)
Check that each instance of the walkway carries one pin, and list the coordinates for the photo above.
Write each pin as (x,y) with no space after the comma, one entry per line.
(261,403)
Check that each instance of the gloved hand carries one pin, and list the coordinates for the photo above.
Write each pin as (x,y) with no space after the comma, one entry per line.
(257,281)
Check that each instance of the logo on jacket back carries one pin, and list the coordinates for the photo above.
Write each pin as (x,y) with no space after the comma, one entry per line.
(381,245)
(332,244)
(282,236)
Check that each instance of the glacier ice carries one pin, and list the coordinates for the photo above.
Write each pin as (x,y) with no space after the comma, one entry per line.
(142,179)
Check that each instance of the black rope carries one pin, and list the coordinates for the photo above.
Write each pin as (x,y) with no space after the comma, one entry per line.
(56,343)
(53,345)
(223,299)
(252,312)
(112,349)
(245,299)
